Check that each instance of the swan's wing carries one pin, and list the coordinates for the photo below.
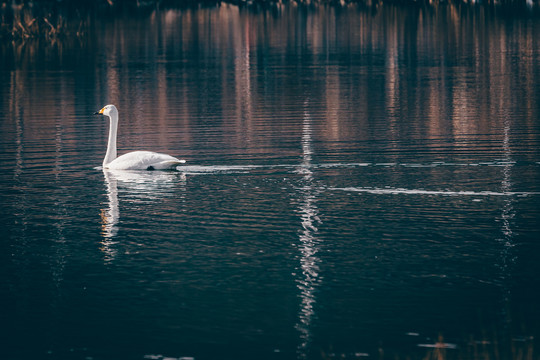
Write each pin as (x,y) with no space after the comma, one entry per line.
(144,160)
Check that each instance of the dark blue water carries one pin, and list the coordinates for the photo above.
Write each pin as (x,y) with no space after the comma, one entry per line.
(359,184)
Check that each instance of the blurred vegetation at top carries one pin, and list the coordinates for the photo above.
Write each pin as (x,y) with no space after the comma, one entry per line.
(21,20)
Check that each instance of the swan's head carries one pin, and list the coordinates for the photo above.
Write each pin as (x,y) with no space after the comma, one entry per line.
(107,110)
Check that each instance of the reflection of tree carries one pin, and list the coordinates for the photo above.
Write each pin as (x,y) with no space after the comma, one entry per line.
(309,279)
(26,20)
(449,93)
(507,258)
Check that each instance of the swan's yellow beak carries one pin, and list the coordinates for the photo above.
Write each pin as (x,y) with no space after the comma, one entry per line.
(100,112)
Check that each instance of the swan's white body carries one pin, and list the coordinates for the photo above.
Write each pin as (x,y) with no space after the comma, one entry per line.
(144,160)
(136,160)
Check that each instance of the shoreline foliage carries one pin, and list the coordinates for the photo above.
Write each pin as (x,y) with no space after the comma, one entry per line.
(52,20)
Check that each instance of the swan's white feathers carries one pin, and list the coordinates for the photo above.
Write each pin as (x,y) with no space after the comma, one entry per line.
(136,160)
(144,160)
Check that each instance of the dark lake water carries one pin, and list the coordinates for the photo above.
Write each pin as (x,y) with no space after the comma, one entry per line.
(358,184)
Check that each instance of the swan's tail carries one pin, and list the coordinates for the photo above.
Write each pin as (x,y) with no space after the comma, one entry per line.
(166,165)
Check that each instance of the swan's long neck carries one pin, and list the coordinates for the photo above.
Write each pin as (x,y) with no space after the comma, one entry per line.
(111,146)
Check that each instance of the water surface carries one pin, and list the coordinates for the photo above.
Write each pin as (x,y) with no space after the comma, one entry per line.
(357,183)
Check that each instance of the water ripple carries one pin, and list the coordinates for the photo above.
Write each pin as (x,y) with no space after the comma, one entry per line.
(227,169)
(396,191)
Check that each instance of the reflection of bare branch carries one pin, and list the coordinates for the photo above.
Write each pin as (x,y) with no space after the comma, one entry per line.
(26,22)
(53,29)
(23,30)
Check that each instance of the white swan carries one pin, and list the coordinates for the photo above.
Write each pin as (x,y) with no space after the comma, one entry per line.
(136,160)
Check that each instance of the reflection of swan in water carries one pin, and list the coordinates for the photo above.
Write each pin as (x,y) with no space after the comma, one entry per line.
(109,217)
(139,186)
(146,185)
(309,279)
(135,160)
